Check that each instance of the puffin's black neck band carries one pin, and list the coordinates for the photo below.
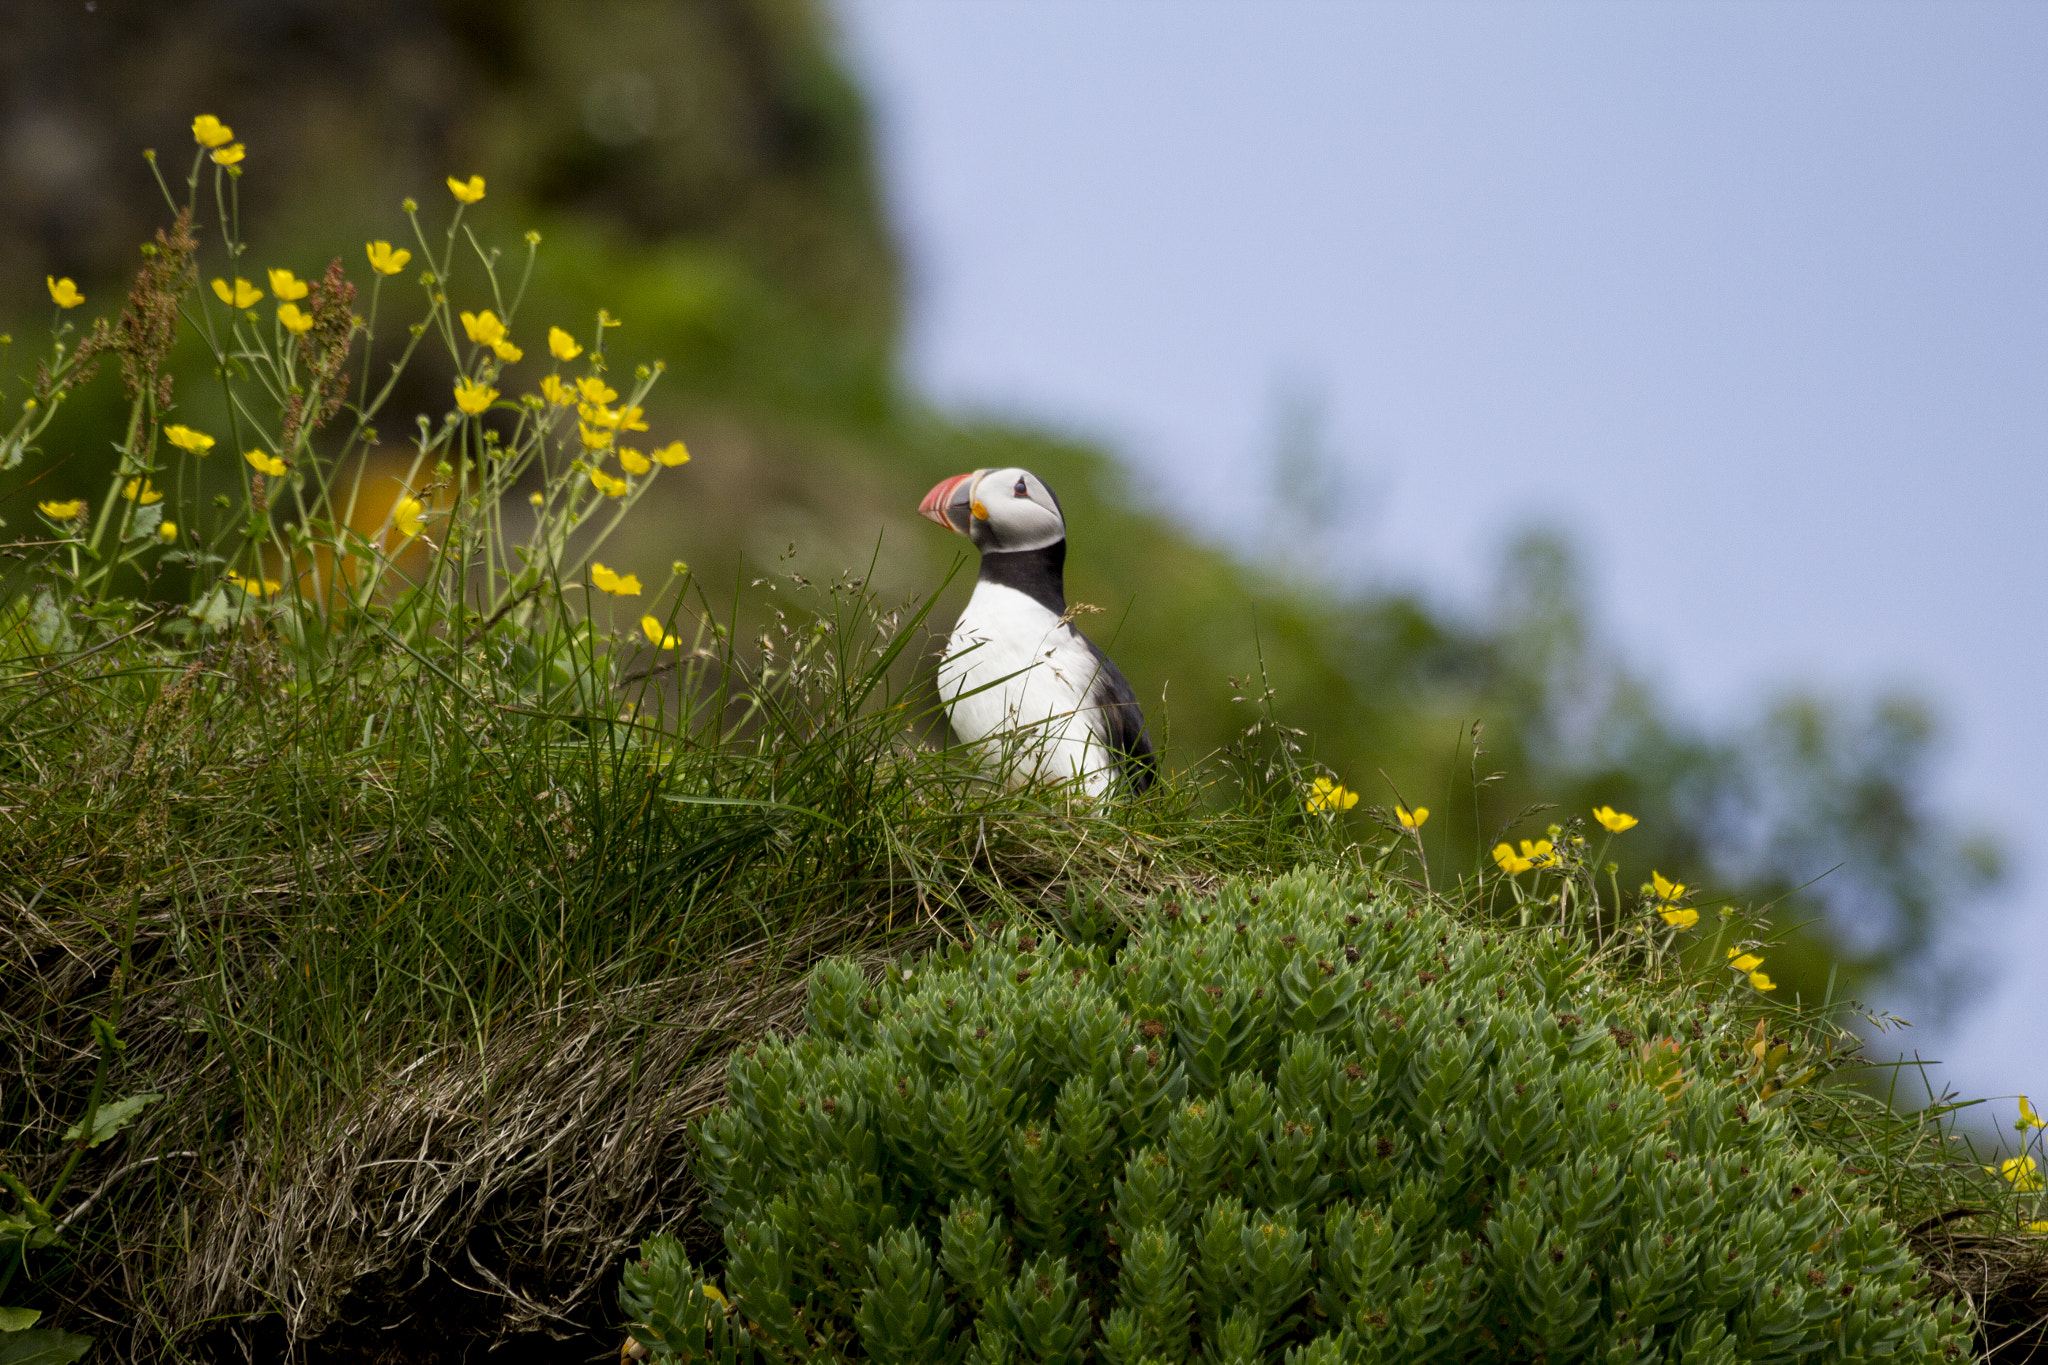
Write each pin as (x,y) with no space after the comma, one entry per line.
(1039,574)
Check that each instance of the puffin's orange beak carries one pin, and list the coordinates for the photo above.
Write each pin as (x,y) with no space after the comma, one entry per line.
(949,504)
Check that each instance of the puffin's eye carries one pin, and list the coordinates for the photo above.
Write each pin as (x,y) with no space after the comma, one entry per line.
(1021,491)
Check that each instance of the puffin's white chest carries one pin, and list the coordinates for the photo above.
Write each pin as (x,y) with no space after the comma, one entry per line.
(1017,680)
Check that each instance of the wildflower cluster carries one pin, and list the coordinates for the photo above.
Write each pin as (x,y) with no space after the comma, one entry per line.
(1302,1122)
(315,531)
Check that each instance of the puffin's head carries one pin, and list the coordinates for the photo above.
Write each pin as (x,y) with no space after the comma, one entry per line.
(998,509)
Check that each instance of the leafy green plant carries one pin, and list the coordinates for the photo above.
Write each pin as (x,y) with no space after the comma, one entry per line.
(1318,1120)
(34,1224)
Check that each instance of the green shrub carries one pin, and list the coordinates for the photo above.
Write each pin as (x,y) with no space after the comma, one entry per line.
(1316,1121)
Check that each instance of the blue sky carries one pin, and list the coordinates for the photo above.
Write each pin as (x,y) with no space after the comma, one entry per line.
(1751,300)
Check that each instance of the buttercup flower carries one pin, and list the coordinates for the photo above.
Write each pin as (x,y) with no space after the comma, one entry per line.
(629,419)
(507,352)
(660,639)
(255,587)
(473,397)
(386,260)
(561,345)
(167,531)
(240,294)
(63,292)
(2021,1172)
(1323,793)
(1510,861)
(209,131)
(1743,962)
(406,516)
(1613,820)
(295,319)
(467,191)
(1680,919)
(2028,1118)
(1762,982)
(264,464)
(1667,890)
(185,438)
(556,392)
(607,485)
(286,285)
(595,390)
(483,327)
(62,511)
(593,438)
(1411,819)
(141,491)
(618,585)
(536,498)
(632,461)
(2037,1227)
(598,416)
(672,454)
(230,156)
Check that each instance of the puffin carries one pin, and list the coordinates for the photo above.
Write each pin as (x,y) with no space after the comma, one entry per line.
(1017,677)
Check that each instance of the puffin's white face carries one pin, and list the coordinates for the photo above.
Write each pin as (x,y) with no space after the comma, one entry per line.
(998,509)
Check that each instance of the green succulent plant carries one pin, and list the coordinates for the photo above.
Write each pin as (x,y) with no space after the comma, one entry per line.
(1316,1121)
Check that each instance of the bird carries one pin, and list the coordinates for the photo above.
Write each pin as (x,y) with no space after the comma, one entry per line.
(1017,677)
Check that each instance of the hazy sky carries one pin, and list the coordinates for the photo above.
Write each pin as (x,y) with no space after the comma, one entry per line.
(1750,299)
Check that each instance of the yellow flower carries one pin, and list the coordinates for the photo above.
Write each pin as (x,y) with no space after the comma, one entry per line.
(595,390)
(467,191)
(629,419)
(1743,962)
(1323,793)
(1540,853)
(672,454)
(617,584)
(632,461)
(185,438)
(556,392)
(384,259)
(1667,890)
(255,587)
(1411,819)
(483,327)
(1680,919)
(264,464)
(561,345)
(63,292)
(167,531)
(607,485)
(1762,981)
(1510,861)
(2028,1118)
(295,319)
(536,499)
(473,397)
(656,636)
(286,285)
(62,511)
(209,131)
(406,516)
(2021,1172)
(141,490)
(1613,820)
(240,294)
(592,438)
(507,352)
(598,416)
(2037,1227)
(230,156)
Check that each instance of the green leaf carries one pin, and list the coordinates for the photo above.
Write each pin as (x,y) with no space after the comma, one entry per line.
(110,1119)
(43,1348)
(18,1319)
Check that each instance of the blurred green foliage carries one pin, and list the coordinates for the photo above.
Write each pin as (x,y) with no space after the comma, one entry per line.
(705,167)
